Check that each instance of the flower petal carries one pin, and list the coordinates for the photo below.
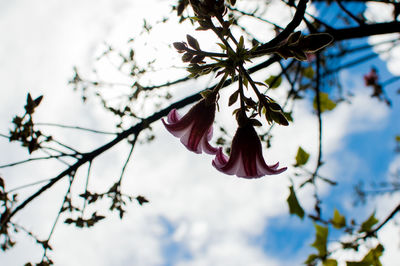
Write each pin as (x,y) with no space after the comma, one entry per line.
(195,128)
(246,159)
(173,116)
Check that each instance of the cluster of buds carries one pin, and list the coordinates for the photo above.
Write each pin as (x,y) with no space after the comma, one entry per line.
(301,46)
(205,9)
(209,8)
(24,130)
(194,56)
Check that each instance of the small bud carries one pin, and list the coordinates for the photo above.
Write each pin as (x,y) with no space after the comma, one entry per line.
(233,98)
(193,42)
(255,122)
(198,59)
(294,37)
(181,7)
(315,42)
(299,55)
(38,100)
(279,118)
(274,107)
(180,46)
(187,57)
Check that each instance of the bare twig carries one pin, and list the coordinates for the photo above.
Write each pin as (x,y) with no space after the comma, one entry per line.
(345,10)
(298,17)
(75,127)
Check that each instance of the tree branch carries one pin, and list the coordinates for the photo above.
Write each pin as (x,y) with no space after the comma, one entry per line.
(298,17)
(136,129)
(391,215)
(365,30)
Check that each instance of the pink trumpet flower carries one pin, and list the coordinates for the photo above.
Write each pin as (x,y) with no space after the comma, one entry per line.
(246,159)
(195,128)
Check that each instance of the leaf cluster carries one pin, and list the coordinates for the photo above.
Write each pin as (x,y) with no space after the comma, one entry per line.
(6,204)
(24,131)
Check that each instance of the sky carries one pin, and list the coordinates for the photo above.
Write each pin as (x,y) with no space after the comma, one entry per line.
(196,216)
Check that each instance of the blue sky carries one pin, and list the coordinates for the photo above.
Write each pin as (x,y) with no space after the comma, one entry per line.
(196,215)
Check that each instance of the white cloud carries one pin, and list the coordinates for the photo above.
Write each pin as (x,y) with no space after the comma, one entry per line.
(381,12)
(390,233)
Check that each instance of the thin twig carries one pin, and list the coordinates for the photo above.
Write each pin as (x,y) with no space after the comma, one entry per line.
(390,81)
(34,159)
(345,10)
(86,186)
(44,150)
(28,185)
(318,101)
(254,16)
(298,17)
(129,157)
(58,216)
(75,127)
(391,215)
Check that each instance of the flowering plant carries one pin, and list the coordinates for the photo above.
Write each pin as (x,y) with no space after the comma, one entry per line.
(195,128)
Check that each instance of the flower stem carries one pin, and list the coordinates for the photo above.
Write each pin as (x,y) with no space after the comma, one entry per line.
(253,85)
(220,84)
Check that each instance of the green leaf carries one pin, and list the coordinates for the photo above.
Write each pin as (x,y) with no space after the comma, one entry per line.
(233,98)
(311,259)
(398,138)
(294,206)
(205,94)
(255,122)
(356,263)
(274,81)
(141,200)
(30,104)
(275,107)
(308,72)
(301,157)
(325,103)
(288,116)
(279,118)
(245,82)
(223,47)
(338,221)
(321,238)
(329,262)
(240,44)
(366,226)
(372,257)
